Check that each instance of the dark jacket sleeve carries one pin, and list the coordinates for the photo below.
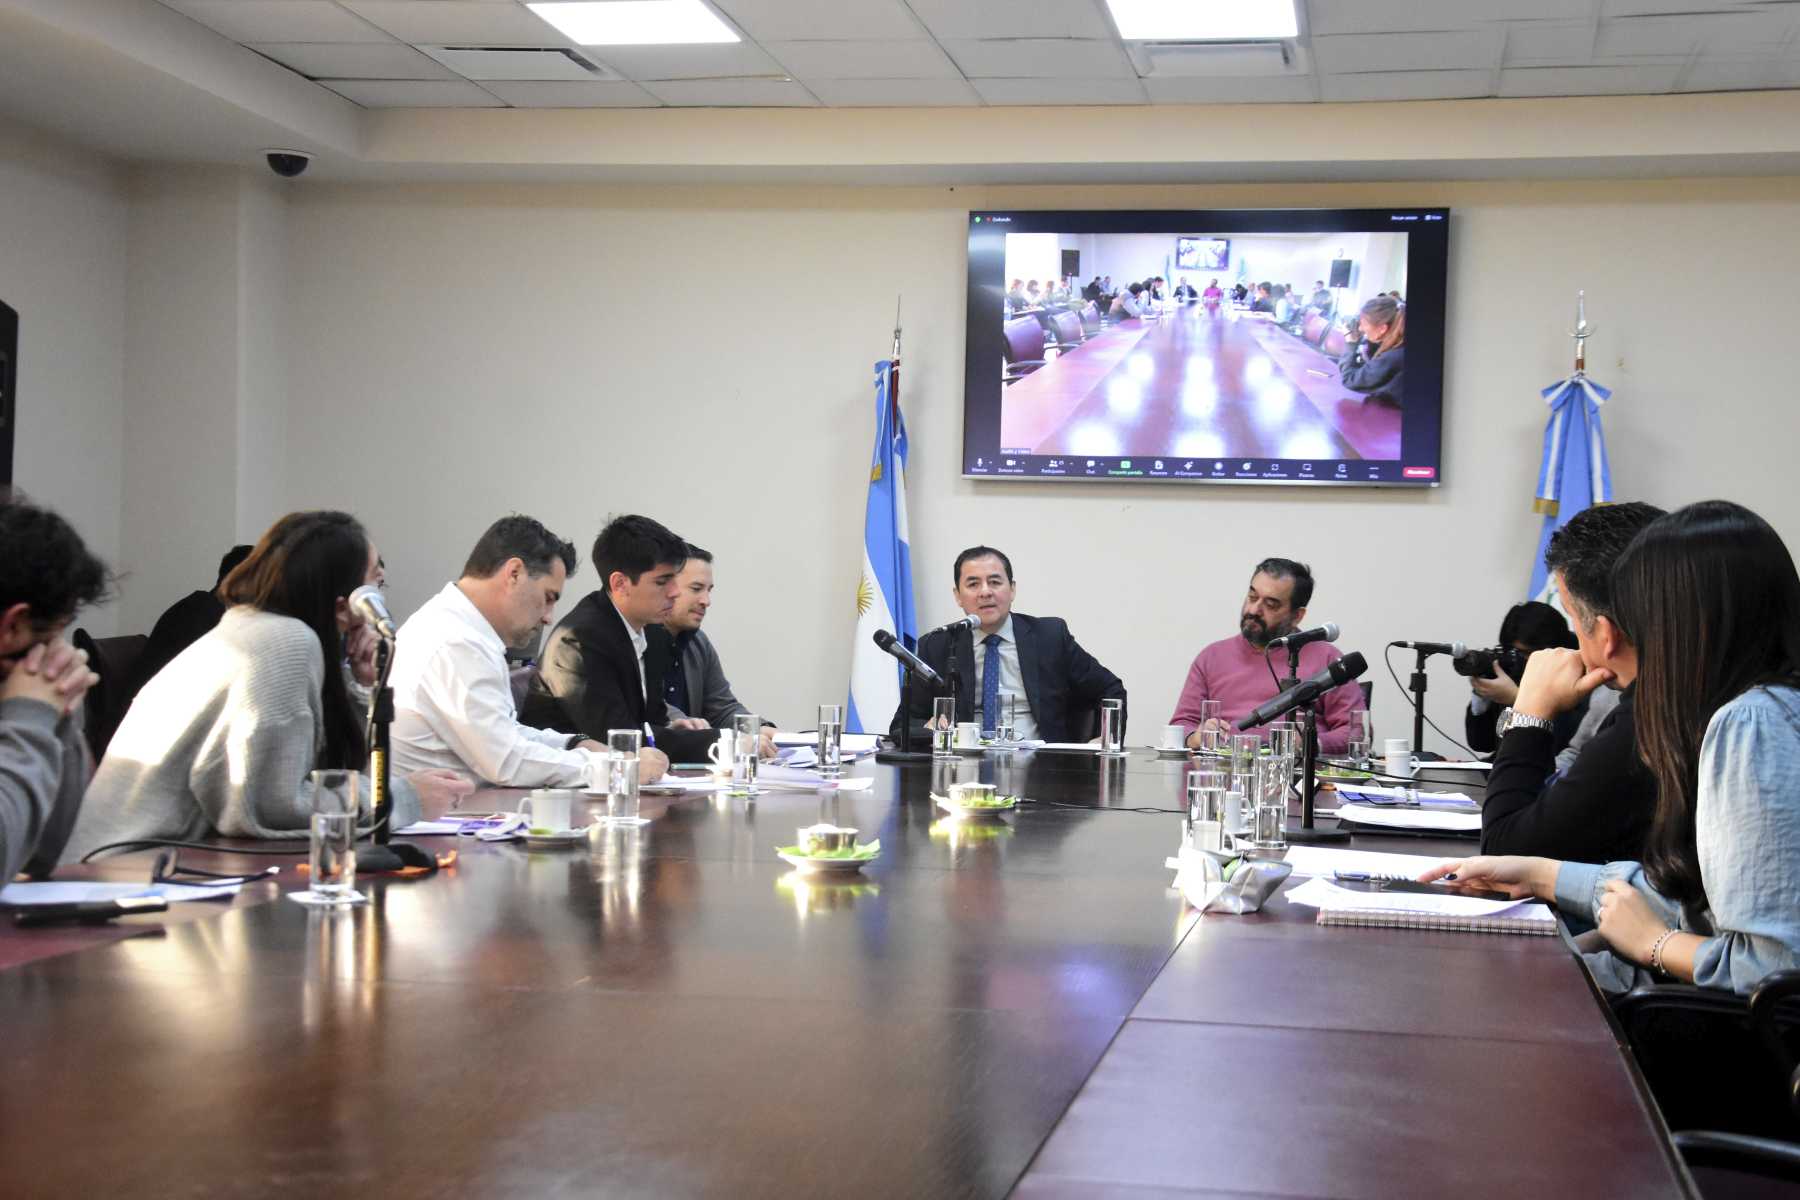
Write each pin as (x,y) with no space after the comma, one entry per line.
(1478,728)
(1377,376)
(1086,680)
(1598,811)
(583,686)
(916,696)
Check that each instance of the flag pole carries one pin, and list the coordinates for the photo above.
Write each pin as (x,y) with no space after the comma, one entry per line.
(1581,333)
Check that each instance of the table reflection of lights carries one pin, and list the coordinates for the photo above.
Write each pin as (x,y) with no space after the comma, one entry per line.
(965,835)
(617,859)
(343,961)
(1093,438)
(1124,396)
(816,895)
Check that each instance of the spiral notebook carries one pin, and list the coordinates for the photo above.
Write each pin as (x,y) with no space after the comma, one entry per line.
(1411,910)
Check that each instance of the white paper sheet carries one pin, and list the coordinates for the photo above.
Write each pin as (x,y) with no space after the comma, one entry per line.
(1436,819)
(1449,800)
(56,892)
(849,743)
(1322,893)
(1322,860)
(1456,766)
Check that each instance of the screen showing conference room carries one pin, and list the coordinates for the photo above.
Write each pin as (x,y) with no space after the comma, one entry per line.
(1206,352)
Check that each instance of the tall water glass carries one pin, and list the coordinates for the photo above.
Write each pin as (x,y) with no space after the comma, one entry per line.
(1284,742)
(1362,736)
(622,801)
(831,741)
(1206,815)
(1245,750)
(331,859)
(1008,729)
(1214,742)
(1212,713)
(1271,803)
(1112,727)
(943,727)
(622,743)
(748,744)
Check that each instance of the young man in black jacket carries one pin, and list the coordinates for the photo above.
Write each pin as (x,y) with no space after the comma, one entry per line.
(1598,810)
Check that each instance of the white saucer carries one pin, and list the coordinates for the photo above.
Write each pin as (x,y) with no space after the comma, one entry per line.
(1165,752)
(556,837)
(970,750)
(346,900)
(973,814)
(825,866)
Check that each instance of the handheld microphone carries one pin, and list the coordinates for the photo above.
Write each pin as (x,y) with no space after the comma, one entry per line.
(1453,649)
(1340,672)
(1328,632)
(908,659)
(368,603)
(969,620)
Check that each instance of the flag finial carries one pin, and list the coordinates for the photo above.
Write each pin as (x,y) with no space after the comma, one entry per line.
(1582,332)
(896,355)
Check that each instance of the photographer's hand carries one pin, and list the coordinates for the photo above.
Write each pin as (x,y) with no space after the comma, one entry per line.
(1497,688)
(1556,681)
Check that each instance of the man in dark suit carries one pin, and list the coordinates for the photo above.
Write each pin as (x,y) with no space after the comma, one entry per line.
(591,676)
(1035,658)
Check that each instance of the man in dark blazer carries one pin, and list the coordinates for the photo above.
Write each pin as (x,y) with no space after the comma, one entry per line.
(591,676)
(1035,658)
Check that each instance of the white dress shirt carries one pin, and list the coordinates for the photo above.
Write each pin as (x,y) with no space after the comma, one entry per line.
(453,706)
(1012,680)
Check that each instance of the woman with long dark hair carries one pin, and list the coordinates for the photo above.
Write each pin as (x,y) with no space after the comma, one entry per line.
(1710,598)
(221,740)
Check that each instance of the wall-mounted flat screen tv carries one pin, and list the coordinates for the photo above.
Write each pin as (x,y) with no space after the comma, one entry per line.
(1312,354)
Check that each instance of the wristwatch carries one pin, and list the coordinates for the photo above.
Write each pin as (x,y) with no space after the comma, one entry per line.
(1511,720)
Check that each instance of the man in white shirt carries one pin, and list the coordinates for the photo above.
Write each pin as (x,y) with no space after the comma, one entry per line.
(453,704)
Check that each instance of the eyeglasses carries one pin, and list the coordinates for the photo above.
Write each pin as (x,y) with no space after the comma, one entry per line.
(167,868)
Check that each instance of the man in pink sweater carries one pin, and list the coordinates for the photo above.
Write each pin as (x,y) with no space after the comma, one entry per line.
(1240,673)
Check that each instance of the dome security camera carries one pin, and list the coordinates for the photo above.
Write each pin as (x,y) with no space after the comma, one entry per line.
(289,164)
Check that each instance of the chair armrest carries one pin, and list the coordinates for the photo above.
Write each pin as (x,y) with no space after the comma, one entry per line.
(1764,1157)
(1682,997)
(1775,1012)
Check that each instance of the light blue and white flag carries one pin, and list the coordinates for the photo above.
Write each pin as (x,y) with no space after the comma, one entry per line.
(884,594)
(1574,474)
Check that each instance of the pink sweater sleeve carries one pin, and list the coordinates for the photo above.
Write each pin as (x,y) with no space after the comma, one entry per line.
(1187,708)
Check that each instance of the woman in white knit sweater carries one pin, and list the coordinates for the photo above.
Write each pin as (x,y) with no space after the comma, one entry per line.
(221,741)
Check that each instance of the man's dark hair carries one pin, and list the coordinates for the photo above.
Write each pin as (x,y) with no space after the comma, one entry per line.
(1287,568)
(233,557)
(978,552)
(45,564)
(519,537)
(696,552)
(635,544)
(1586,548)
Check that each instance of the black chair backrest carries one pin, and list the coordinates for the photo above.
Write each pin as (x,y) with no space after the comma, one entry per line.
(113,659)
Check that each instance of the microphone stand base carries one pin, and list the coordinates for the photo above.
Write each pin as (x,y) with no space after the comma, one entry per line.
(903,756)
(1314,837)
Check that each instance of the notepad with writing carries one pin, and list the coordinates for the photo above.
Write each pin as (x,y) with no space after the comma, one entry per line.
(1410,910)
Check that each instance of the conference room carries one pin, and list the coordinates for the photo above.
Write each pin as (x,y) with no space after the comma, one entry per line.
(435,264)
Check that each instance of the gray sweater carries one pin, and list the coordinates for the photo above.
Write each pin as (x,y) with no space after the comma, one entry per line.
(43,769)
(220,742)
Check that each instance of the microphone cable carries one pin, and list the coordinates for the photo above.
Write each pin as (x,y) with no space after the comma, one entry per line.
(1412,704)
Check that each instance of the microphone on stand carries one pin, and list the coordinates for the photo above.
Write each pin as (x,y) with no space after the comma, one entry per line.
(1453,649)
(969,621)
(368,603)
(1328,632)
(1340,672)
(908,659)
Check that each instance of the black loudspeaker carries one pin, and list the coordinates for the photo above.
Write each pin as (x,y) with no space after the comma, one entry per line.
(1071,263)
(9,381)
(1340,272)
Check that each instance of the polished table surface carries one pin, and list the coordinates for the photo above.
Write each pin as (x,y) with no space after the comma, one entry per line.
(669,1011)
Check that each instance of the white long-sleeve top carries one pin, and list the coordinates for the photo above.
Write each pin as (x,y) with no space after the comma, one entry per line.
(453,705)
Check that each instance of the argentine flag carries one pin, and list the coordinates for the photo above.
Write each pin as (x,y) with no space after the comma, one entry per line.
(1574,474)
(884,594)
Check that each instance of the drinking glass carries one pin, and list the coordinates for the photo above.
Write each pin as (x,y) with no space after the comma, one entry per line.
(1008,729)
(1211,712)
(622,802)
(943,727)
(1272,777)
(1362,736)
(1214,742)
(331,858)
(1206,814)
(624,742)
(831,741)
(1112,727)
(748,730)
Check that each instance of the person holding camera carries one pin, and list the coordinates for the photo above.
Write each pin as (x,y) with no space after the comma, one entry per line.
(1526,629)
(1600,808)
(1376,358)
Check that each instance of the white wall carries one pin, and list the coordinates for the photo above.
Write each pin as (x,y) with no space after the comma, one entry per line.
(62,266)
(462,352)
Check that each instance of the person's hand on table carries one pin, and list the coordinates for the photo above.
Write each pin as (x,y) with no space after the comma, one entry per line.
(1555,682)
(765,744)
(1497,688)
(1193,739)
(1516,875)
(689,723)
(653,764)
(439,790)
(55,673)
(359,648)
(1627,922)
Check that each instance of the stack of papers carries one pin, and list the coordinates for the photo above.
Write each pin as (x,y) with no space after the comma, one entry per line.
(1436,820)
(1323,860)
(1405,797)
(850,745)
(26,894)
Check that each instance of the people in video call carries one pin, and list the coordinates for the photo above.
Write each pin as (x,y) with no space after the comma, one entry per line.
(1376,357)
(1265,299)
(1184,291)
(1236,671)
(1059,685)
(1239,293)
(1128,303)
(1320,301)
(1212,297)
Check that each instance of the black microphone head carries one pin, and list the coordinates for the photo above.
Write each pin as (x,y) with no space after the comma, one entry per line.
(884,639)
(1349,667)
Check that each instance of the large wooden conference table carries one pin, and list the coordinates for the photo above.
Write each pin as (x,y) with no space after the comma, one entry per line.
(1025,1008)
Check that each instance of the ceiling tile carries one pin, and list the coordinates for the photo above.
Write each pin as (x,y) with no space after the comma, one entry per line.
(704,61)
(1042,58)
(1014,18)
(406,93)
(354,60)
(1589,81)
(1409,85)
(1343,53)
(459,22)
(280,20)
(1060,91)
(1194,90)
(735,93)
(893,93)
(1732,74)
(560,64)
(1637,37)
(1406,16)
(1549,42)
(595,94)
(790,20)
(1623,8)
(864,60)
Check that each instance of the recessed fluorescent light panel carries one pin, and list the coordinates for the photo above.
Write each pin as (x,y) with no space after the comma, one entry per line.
(636,22)
(1196,20)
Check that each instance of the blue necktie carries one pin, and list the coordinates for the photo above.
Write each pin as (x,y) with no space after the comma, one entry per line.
(990,684)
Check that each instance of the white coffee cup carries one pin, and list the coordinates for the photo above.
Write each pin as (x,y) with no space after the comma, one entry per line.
(968,735)
(722,753)
(549,808)
(1397,757)
(1174,737)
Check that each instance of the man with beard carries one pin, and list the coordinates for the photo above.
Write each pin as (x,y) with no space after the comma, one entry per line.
(1238,671)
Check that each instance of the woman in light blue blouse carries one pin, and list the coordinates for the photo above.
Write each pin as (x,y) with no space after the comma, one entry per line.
(1710,598)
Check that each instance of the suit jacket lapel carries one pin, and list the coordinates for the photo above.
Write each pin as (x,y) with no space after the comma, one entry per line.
(1025,633)
(966,703)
